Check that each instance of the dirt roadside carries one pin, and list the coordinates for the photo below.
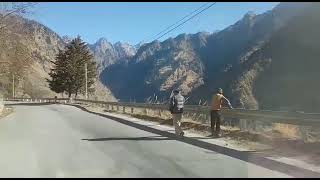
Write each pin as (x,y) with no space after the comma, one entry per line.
(5,112)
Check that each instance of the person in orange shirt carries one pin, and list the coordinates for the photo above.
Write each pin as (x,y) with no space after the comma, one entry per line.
(217,100)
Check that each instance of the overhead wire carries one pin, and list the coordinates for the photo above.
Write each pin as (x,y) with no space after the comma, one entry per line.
(186,21)
(180,20)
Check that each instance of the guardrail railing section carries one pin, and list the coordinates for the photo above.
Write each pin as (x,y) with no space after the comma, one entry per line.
(290,124)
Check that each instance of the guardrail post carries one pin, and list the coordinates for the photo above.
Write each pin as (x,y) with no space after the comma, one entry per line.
(243,125)
(124,109)
(131,110)
(252,126)
(112,107)
(204,117)
(160,112)
(208,118)
(255,125)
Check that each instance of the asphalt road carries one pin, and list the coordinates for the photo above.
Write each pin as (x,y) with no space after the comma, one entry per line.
(64,141)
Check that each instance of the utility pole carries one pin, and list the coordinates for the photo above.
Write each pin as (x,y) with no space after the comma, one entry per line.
(86,75)
(13,85)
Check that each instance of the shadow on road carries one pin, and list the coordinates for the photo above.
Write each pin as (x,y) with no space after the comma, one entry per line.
(150,138)
(244,156)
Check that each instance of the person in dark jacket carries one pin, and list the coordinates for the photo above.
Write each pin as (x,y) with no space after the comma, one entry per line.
(176,109)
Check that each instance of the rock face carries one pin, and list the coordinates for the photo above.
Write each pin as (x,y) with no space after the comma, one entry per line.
(232,59)
(106,53)
(159,68)
(42,44)
(288,66)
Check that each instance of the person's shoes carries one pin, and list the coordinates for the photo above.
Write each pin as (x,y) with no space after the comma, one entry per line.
(182,134)
(213,134)
(218,135)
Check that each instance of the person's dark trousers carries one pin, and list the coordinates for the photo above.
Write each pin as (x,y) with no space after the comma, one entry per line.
(215,121)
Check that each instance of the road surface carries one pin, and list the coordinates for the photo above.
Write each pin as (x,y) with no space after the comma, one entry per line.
(64,141)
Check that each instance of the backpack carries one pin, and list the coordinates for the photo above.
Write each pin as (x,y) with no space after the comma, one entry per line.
(177,104)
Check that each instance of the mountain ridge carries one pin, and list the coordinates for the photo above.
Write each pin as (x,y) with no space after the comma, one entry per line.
(199,63)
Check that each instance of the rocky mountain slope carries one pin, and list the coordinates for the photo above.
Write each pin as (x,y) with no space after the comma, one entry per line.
(284,73)
(42,45)
(199,63)
(106,53)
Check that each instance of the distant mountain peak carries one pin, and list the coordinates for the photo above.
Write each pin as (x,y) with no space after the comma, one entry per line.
(250,14)
(66,39)
(103,39)
(121,44)
(118,43)
(102,45)
(107,53)
(124,49)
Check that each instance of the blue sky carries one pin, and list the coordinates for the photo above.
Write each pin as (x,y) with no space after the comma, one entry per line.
(134,22)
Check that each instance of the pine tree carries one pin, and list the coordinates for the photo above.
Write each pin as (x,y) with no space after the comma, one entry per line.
(58,73)
(68,74)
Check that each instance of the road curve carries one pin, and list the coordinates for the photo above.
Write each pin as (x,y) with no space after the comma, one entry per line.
(64,141)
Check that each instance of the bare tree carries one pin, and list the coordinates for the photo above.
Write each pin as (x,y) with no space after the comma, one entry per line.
(14,57)
(17,61)
(13,8)
(8,9)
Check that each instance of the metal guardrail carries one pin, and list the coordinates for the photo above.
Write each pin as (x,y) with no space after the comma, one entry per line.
(284,117)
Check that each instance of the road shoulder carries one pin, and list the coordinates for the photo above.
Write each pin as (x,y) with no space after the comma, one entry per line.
(6,112)
(219,145)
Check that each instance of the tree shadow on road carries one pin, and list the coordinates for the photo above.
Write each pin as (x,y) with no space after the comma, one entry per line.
(150,138)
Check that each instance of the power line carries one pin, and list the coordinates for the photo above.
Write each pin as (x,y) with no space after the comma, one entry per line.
(180,20)
(186,20)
